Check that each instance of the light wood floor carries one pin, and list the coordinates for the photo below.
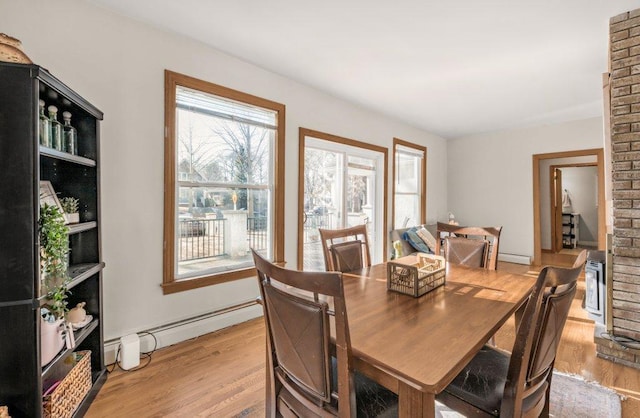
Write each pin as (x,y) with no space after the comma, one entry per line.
(222,374)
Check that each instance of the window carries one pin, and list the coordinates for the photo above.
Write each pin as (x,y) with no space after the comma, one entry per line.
(343,183)
(223,184)
(409,184)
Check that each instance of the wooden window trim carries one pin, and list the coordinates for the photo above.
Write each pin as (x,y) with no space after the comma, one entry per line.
(169,282)
(302,134)
(423,177)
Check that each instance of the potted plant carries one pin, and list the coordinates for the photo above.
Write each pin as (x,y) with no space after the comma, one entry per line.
(70,207)
(54,251)
(57,301)
(54,247)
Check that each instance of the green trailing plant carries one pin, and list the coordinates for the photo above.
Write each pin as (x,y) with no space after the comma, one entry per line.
(54,250)
(57,301)
(70,204)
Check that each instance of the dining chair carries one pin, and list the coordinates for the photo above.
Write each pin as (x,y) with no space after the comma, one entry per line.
(496,383)
(345,249)
(308,373)
(469,245)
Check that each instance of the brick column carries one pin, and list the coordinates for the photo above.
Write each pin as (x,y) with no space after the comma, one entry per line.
(625,152)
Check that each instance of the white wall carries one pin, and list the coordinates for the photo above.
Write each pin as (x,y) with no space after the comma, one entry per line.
(490,176)
(545,193)
(117,64)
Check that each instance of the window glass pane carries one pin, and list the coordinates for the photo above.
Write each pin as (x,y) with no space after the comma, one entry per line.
(408,185)
(408,173)
(339,191)
(213,148)
(323,189)
(360,190)
(407,210)
(217,226)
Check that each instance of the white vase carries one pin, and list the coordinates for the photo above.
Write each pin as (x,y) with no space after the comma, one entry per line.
(51,339)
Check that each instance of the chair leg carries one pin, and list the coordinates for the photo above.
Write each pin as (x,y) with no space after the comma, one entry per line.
(545,410)
(270,391)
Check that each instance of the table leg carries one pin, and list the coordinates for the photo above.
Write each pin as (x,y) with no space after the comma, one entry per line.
(414,403)
(519,313)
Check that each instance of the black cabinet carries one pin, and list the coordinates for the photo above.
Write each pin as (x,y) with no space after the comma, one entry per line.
(23,164)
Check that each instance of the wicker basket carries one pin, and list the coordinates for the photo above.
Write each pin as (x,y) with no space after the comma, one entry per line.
(419,278)
(63,401)
(4,412)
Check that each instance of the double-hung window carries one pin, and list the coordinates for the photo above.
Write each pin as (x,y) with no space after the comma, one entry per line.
(223,184)
(409,183)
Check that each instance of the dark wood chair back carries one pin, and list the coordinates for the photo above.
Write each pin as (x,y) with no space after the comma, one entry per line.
(345,249)
(526,392)
(467,252)
(496,383)
(300,376)
(482,253)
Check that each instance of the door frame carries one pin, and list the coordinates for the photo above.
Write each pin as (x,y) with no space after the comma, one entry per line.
(554,221)
(302,134)
(537,158)
(555,192)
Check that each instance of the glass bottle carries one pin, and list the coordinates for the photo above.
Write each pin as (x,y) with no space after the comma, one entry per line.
(70,135)
(44,131)
(56,129)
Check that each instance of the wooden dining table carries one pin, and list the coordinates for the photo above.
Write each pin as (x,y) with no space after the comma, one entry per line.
(416,346)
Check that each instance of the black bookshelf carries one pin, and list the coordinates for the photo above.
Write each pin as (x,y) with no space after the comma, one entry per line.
(23,164)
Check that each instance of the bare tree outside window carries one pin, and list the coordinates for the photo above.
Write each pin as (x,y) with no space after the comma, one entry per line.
(318,178)
(356,193)
(243,158)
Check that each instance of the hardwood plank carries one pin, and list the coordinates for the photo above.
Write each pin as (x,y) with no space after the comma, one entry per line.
(222,374)
(219,374)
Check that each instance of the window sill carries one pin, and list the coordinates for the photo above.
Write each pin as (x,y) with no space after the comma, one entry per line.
(198,282)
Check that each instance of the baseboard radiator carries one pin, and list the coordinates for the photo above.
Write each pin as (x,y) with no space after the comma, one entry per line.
(514,258)
(175,332)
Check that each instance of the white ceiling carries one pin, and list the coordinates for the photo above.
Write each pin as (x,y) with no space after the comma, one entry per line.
(453,68)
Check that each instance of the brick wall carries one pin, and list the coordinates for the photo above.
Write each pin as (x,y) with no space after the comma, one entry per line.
(625,151)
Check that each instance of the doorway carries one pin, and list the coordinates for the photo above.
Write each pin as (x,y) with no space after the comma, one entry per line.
(573,217)
(342,183)
(542,197)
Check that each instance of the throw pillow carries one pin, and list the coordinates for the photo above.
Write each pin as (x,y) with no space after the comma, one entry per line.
(428,238)
(412,237)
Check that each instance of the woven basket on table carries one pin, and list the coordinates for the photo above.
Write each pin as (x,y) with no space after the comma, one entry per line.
(67,396)
(418,278)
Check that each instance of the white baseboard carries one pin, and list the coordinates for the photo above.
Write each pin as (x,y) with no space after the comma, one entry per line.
(176,332)
(514,258)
